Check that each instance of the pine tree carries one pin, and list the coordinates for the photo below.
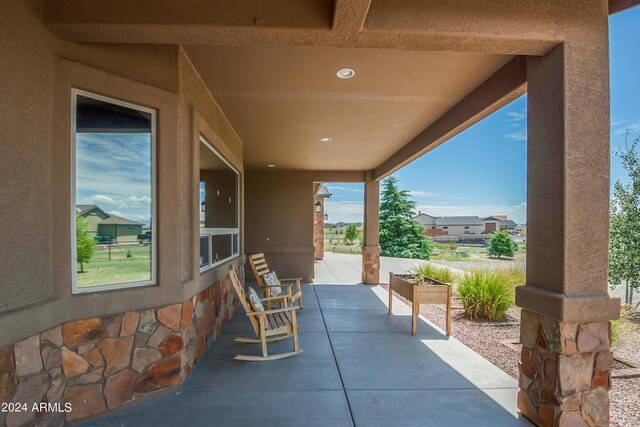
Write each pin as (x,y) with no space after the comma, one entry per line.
(85,244)
(401,236)
(624,231)
(501,244)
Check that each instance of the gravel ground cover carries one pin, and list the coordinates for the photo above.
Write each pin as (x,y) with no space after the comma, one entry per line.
(485,338)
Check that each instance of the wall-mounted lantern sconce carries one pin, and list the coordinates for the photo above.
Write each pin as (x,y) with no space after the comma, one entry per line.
(326,216)
(318,206)
(202,206)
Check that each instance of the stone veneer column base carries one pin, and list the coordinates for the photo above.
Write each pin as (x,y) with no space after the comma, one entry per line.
(102,363)
(371,265)
(564,371)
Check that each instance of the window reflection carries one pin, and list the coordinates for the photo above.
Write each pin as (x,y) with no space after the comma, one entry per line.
(113,234)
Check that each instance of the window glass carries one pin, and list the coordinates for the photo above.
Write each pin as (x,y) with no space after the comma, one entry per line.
(219,206)
(112,233)
(205,259)
(221,247)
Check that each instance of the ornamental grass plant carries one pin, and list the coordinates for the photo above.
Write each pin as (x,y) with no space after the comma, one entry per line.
(515,276)
(487,294)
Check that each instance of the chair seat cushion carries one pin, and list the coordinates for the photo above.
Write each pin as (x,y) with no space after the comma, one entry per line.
(271,280)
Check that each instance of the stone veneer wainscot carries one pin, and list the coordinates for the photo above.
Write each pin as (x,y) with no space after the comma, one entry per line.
(564,371)
(102,363)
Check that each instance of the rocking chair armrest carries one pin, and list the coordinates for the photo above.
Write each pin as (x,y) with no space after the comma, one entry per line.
(274,298)
(277,310)
(291,279)
(285,285)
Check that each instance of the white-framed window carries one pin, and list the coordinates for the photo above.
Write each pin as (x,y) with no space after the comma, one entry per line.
(219,201)
(113,187)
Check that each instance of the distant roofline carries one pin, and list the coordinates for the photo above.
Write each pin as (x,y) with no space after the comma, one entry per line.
(88,208)
(480,220)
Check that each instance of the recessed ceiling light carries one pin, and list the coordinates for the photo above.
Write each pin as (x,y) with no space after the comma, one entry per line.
(345,73)
(271,166)
(326,139)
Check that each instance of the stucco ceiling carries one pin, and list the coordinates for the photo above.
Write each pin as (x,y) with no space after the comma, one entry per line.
(282,100)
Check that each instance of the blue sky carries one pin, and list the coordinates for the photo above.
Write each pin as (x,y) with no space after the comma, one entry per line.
(113,171)
(454,179)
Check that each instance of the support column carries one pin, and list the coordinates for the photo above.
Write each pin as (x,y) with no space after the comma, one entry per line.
(318,229)
(371,248)
(565,333)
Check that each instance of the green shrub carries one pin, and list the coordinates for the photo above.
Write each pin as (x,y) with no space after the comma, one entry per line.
(129,254)
(486,294)
(622,327)
(427,269)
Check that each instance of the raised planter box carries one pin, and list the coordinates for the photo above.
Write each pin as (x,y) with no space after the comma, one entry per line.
(434,292)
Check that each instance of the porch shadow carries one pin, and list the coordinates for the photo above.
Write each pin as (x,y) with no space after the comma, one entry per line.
(360,366)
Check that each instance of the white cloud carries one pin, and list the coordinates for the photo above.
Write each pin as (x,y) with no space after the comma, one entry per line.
(518,212)
(341,188)
(344,211)
(144,218)
(100,199)
(137,201)
(632,128)
(120,202)
(516,116)
(417,193)
(517,136)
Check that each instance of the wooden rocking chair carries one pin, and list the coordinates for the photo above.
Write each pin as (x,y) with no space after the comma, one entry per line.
(287,296)
(269,325)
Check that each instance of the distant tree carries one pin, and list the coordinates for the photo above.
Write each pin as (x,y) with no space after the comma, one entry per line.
(400,235)
(501,244)
(85,243)
(624,228)
(351,234)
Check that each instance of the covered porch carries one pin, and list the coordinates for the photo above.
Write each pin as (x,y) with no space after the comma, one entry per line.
(279,95)
(360,366)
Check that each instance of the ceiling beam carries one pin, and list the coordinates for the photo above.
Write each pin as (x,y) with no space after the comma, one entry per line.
(312,23)
(504,86)
(349,16)
(616,6)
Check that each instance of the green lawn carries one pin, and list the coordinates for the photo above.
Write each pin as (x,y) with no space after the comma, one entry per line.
(120,269)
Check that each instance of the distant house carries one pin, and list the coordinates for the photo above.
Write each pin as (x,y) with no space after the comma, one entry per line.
(117,228)
(463,225)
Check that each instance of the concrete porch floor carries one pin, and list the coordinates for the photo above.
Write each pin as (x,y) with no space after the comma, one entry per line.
(347,268)
(360,367)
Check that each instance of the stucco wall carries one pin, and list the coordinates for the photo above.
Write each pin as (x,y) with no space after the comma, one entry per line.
(459,230)
(38,71)
(279,217)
